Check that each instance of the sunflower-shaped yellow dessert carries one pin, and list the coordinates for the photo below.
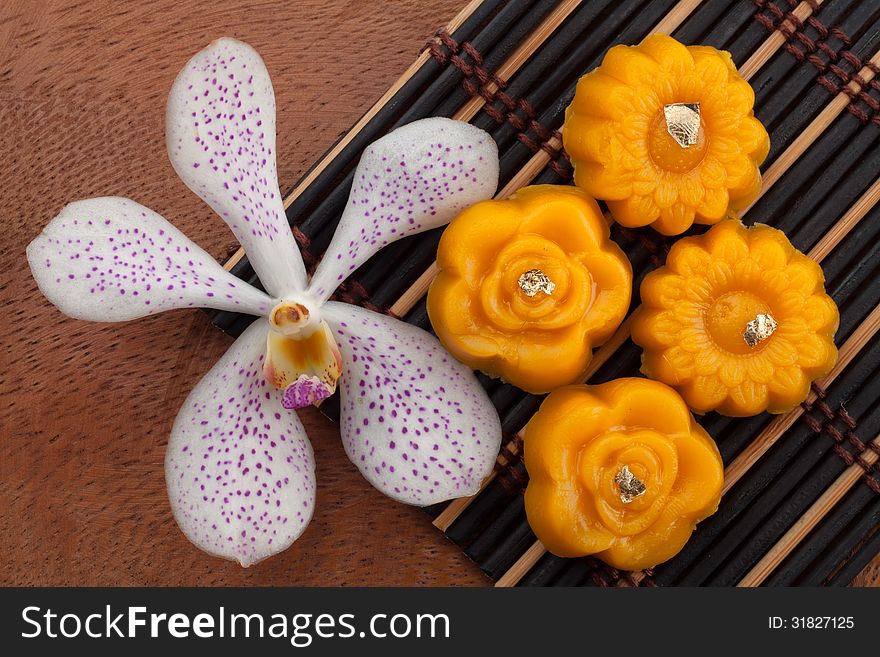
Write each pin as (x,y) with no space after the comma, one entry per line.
(666,135)
(737,321)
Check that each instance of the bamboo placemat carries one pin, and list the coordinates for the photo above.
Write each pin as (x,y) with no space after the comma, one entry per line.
(801,502)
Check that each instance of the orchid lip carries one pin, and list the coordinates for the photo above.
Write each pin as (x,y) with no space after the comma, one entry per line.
(306,391)
(305,362)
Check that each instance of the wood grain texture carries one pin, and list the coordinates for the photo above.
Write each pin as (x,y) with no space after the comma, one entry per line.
(86,408)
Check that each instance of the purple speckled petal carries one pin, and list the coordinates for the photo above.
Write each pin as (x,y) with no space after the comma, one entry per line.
(220,133)
(415,178)
(111,259)
(239,467)
(416,422)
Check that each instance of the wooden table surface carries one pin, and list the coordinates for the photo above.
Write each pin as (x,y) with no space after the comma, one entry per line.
(87,408)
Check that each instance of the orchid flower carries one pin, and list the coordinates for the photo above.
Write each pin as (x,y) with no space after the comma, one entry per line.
(239,467)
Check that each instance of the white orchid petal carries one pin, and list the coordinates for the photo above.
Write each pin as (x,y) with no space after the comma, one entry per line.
(417,177)
(415,421)
(111,259)
(239,467)
(220,133)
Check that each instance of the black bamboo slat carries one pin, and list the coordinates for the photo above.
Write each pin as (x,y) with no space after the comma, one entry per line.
(855,562)
(840,135)
(548,80)
(808,560)
(718,24)
(836,169)
(418,252)
(802,489)
(864,523)
(321,222)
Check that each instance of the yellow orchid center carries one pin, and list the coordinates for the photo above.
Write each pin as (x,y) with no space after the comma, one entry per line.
(302,357)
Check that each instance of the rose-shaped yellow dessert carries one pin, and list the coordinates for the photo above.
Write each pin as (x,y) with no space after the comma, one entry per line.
(620,471)
(737,321)
(529,285)
(665,133)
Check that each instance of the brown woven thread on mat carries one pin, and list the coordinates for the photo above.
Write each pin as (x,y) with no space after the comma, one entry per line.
(626,578)
(476,81)
(653,243)
(593,567)
(484,77)
(354,293)
(623,577)
(302,240)
(786,27)
(511,457)
(508,475)
(598,579)
(512,480)
(435,46)
(843,415)
(350,291)
(783,21)
(840,437)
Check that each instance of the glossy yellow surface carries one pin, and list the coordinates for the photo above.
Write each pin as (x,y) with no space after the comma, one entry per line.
(695,310)
(485,319)
(615,133)
(576,446)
